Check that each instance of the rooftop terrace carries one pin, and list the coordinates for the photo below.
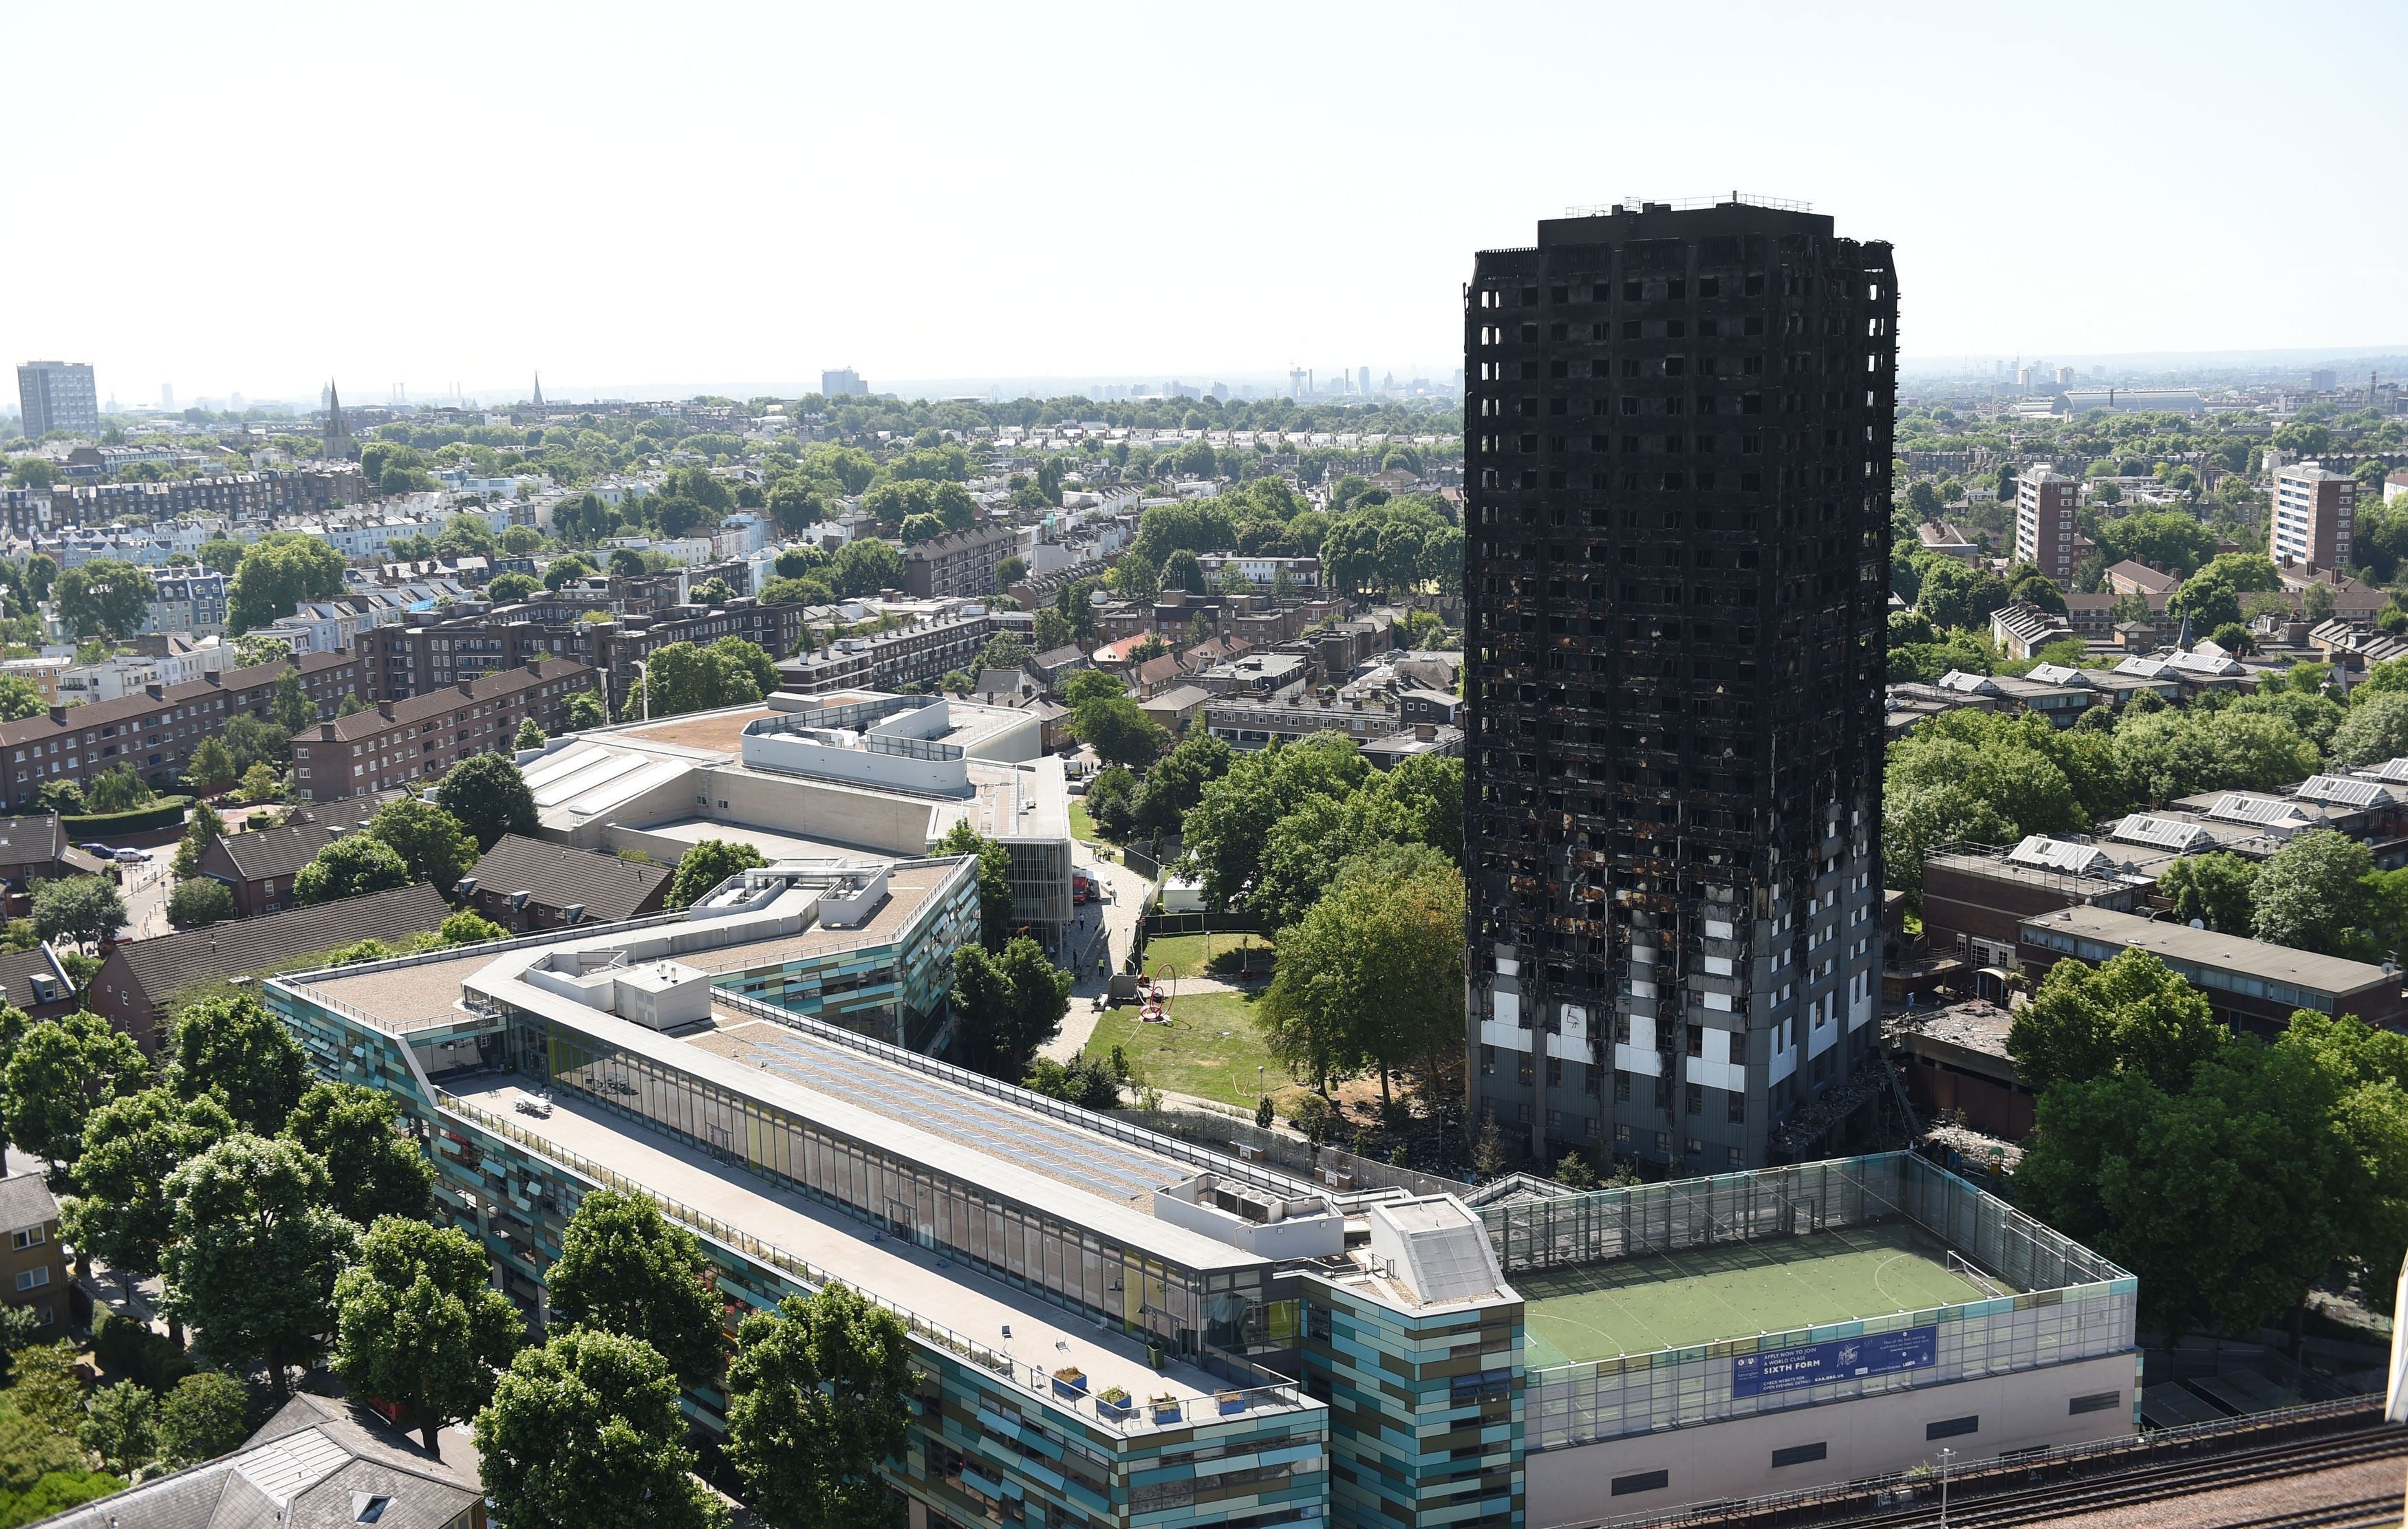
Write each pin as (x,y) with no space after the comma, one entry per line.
(1707,1294)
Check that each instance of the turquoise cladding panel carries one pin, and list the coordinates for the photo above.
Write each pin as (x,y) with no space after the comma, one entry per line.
(1424,1412)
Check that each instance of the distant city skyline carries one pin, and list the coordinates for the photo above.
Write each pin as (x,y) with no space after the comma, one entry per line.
(978,210)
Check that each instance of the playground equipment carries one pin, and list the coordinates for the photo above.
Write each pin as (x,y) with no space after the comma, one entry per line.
(1157,994)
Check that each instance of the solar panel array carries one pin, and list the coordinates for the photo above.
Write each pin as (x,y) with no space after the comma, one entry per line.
(1050,1147)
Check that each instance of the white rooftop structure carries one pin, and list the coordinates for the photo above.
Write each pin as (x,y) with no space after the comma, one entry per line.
(1436,1248)
(2347,790)
(2262,811)
(2162,832)
(2060,855)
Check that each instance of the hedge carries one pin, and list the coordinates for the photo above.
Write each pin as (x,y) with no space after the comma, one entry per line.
(100,826)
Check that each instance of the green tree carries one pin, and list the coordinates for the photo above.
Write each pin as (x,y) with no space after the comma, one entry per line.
(2131,1014)
(276,573)
(118,788)
(199,903)
(419,1323)
(2307,894)
(2375,731)
(819,1396)
(1229,829)
(373,1167)
(1081,686)
(19,699)
(1373,971)
(1008,1005)
(510,587)
(624,1268)
(2213,888)
(106,596)
(247,1206)
(434,845)
(996,902)
(489,797)
(585,1429)
(63,796)
(62,1071)
(211,768)
(469,927)
(235,1049)
(2207,601)
(529,736)
(121,1425)
(707,864)
(585,710)
(1177,782)
(1118,730)
(208,1414)
(80,908)
(350,867)
(867,565)
(288,706)
(132,1144)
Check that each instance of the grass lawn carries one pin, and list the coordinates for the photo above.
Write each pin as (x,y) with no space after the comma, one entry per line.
(1210,1049)
(1081,826)
(1214,955)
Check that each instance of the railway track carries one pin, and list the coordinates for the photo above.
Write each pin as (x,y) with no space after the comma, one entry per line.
(2182,1478)
(1998,1496)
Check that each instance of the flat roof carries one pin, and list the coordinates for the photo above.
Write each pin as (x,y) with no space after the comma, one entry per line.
(916,1279)
(772,843)
(1633,1305)
(2225,953)
(1061,1151)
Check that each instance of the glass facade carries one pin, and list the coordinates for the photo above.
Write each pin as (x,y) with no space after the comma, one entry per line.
(1071,1265)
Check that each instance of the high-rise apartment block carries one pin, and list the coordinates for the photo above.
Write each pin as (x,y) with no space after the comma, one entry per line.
(1677,547)
(2315,514)
(57,395)
(2044,532)
(844,382)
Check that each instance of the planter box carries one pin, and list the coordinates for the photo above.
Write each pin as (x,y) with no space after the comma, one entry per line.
(1230,1401)
(1069,1381)
(1166,1411)
(1116,1408)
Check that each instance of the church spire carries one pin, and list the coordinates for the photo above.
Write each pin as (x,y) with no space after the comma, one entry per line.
(538,390)
(337,441)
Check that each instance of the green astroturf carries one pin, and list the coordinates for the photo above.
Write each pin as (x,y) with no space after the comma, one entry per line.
(1735,1289)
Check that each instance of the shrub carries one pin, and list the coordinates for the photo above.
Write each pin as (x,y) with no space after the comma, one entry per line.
(130,1349)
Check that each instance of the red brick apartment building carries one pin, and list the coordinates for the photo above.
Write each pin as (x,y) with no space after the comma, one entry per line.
(420,737)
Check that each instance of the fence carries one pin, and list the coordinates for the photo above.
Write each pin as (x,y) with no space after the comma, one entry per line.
(1301,1158)
(2071,1302)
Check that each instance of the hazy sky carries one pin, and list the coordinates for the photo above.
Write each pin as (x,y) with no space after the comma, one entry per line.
(248,197)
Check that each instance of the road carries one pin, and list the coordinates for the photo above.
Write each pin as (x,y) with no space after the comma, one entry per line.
(1106,931)
(146,887)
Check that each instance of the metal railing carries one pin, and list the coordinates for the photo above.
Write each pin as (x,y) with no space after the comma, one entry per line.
(1021,1098)
(1130,1415)
(1905,1485)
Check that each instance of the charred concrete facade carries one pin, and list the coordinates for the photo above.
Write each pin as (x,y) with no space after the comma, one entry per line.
(1677,538)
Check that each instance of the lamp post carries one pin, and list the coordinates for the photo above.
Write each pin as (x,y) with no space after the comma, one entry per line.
(1945,1454)
(644,677)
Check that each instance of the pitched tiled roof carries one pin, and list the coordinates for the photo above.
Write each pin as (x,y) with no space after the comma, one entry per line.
(248,947)
(18,969)
(557,875)
(142,704)
(276,851)
(25,1201)
(25,840)
(436,703)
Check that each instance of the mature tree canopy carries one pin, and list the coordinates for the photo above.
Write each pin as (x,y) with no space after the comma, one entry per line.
(434,845)
(253,1252)
(62,1071)
(84,908)
(1009,1006)
(374,1168)
(132,1144)
(585,1429)
(106,596)
(996,902)
(208,1414)
(2308,895)
(199,903)
(1120,731)
(707,864)
(2131,1014)
(235,1049)
(625,1269)
(1374,968)
(819,1397)
(489,797)
(276,573)
(419,1323)
(349,867)
(2213,888)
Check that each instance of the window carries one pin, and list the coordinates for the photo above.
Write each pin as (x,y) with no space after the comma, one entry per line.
(32,1236)
(1799,1454)
(1952,1427)
(34,1279)
(2097,1402)
(1642,1481)
(1694,1095)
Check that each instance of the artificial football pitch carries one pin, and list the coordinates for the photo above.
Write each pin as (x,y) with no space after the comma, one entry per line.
(1734,1290)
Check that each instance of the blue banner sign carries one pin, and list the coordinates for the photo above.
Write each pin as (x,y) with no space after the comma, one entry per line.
(1842,1359)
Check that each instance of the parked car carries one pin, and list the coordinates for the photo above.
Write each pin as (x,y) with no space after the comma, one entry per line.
(132,857)
(103,851)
